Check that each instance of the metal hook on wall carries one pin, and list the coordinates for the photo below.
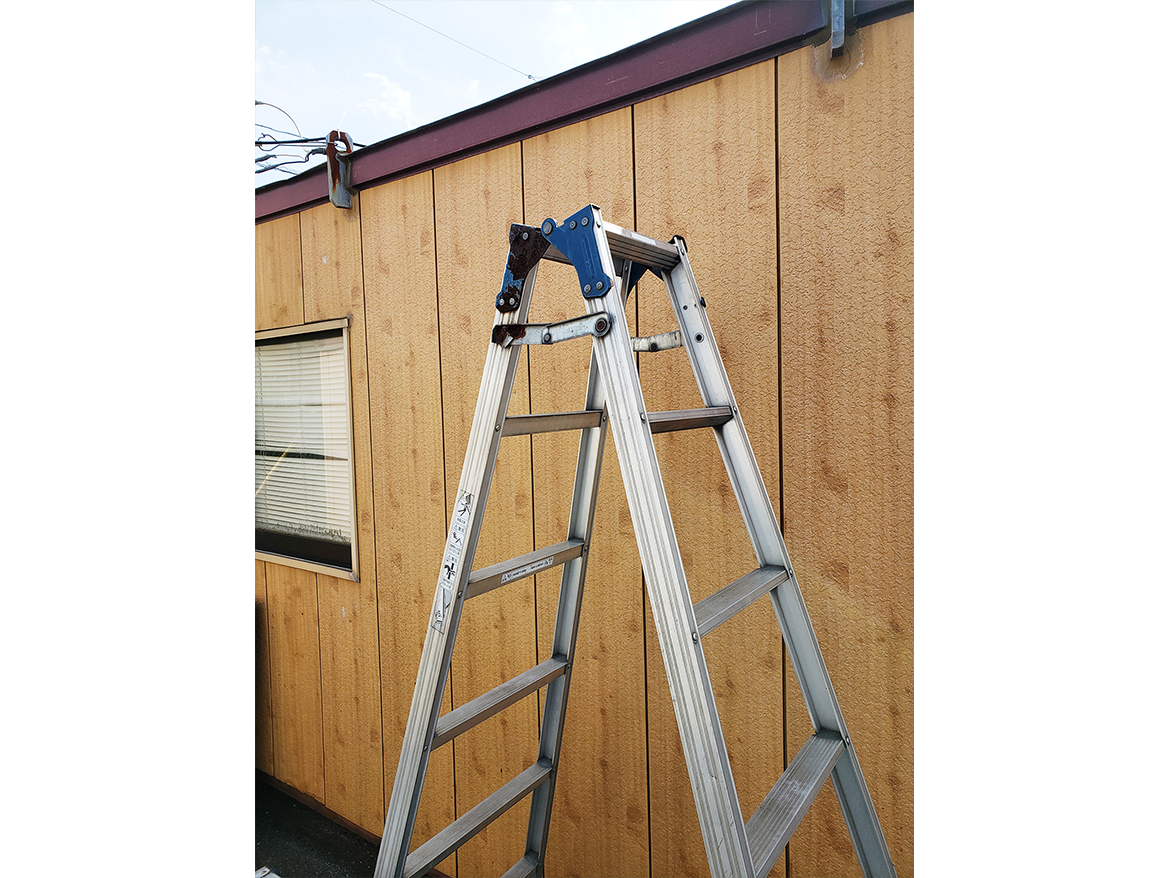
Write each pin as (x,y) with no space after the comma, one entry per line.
(337,160)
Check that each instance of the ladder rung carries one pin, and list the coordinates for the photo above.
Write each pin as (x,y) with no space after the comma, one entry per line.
(625,244)
(522,425)
(525,867)
(438,848)
(713,610)
(770,828)
(688,419)
(474,712)
(519,568)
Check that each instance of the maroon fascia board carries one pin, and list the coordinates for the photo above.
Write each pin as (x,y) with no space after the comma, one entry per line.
(727,40)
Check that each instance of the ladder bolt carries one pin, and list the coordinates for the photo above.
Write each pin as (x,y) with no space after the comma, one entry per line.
(588,288)
(698,336)
(695,636)
(547,338)
(497,428)
(572,224)
(584,220)
(643,417)
(547,227)
(602,325)
(524,237)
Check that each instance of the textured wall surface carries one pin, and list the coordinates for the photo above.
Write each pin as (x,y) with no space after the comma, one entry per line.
(792,182)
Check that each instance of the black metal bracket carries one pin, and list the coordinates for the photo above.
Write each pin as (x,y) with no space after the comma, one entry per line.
(527,248)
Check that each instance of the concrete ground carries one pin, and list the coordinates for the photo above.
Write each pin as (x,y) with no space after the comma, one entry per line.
(294,841)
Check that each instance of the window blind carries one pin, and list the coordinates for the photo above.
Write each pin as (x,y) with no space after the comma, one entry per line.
(302,447)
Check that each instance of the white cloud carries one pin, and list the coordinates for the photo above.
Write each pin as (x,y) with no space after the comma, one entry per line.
(393,102)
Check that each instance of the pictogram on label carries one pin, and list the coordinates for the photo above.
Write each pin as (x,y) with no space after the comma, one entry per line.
(451,555)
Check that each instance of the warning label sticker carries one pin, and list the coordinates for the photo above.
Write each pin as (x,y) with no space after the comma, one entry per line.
(526,570)
(451,555)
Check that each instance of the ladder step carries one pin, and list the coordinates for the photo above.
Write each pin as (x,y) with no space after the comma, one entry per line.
(774,822)
(438,848)
(525,867)
(714,610)
(625,244)
(484,580)
(474,712)
(688,419)
(523,425)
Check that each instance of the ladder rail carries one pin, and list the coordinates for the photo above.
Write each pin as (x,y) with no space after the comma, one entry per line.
(796,628)
(581,517)
(483,446)
(703,744)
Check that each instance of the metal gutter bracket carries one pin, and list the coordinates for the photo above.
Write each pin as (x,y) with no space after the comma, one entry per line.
(842,20)
(340,188)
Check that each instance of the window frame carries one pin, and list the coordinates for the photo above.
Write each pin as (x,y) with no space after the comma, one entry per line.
(353,573)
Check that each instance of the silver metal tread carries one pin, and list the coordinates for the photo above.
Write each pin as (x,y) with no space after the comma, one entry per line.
(525,867)
(524,425)
(521,567)
(631,245)
(471,714)
(713,610)
(442,844)
(774,822)
(688,419)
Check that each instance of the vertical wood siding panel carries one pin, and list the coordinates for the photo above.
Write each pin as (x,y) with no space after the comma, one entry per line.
(278,274)
(599,819)
(476,200)
(296,679)
(293,643)
(706,170)
(351,705)
(406,425)
(263,676)
(846,231)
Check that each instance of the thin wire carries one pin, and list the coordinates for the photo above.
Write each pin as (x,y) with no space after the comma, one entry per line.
(290,118)
(452,39)
(303,142)
(278,131)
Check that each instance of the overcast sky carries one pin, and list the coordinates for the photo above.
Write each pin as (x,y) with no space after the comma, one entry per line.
(362,67)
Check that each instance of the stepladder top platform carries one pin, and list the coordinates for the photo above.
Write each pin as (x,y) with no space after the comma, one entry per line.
(634,246)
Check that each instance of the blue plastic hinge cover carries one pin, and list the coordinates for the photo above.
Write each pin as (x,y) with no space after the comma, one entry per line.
(575,238)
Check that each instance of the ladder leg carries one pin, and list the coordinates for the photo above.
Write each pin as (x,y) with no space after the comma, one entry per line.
(702,739)
(764,531)
(568,614)
(483,446)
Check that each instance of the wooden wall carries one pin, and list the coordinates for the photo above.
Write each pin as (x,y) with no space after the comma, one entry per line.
(792,182)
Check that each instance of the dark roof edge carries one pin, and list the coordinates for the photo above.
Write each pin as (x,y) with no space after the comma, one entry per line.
(727,40)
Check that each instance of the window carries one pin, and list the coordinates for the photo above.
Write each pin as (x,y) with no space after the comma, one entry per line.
(304,448)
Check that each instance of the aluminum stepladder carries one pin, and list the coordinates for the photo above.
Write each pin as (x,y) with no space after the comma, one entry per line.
(609,260)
